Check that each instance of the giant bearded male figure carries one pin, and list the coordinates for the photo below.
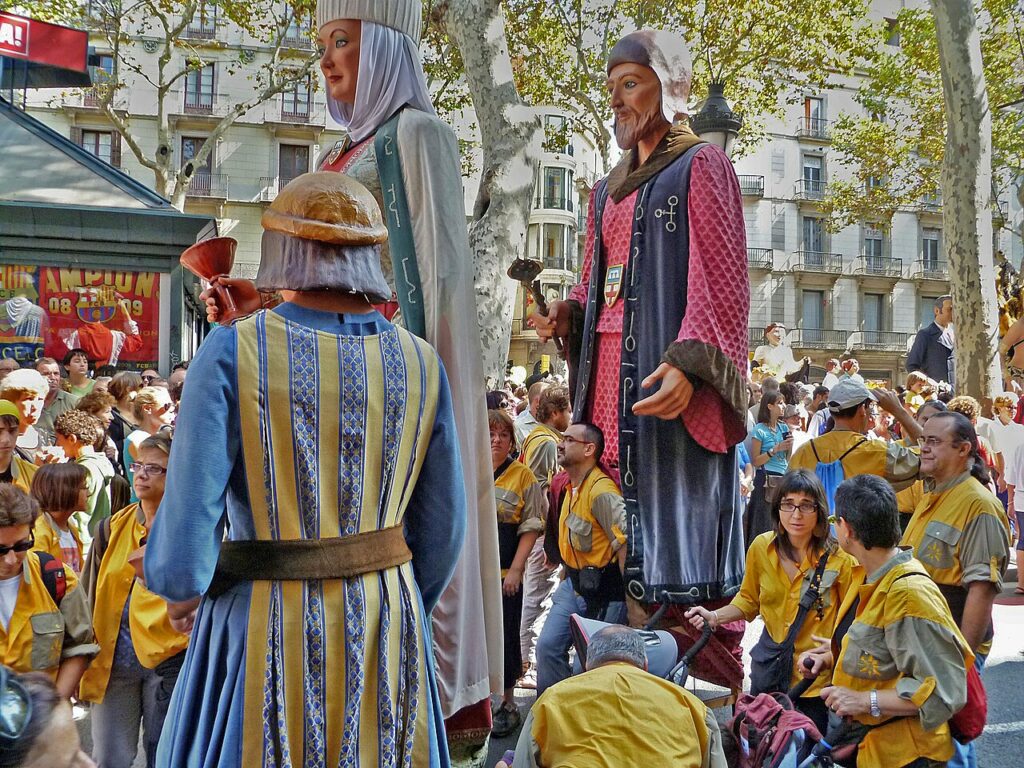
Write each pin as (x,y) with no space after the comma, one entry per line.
(664,301)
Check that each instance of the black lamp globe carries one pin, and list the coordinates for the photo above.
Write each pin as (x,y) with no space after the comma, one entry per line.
(716,122)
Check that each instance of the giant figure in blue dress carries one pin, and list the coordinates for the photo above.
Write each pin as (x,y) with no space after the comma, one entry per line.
(317,439)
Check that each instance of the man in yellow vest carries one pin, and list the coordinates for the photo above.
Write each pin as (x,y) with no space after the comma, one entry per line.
(591,539)
(540,448)
(961,535)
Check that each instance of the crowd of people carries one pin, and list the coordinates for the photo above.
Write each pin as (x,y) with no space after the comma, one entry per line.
(82,466)
(849,488)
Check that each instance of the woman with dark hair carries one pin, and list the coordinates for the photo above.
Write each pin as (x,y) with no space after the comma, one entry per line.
(37,727)
(770,445)
(61,491)
(782,565)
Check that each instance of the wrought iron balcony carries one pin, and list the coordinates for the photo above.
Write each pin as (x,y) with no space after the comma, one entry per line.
(208,185)
(555,262)
(752,186)
(879,266)
(819,338)
(810,189)
(813,128)
(198,103)
(817,261)
(880,341)
(931,203)
(931,269)
(755,336)
(760,258)
(200,28)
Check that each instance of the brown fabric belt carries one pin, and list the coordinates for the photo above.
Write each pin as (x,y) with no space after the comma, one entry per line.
(305,559)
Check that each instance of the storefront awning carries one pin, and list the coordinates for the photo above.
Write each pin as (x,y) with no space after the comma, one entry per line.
(36,54)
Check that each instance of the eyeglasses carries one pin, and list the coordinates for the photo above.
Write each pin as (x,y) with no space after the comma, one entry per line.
(806,508)
(18,546)
(164,409)
(932,442)
(15,708)
(147,378)
(570,439)
(148,469)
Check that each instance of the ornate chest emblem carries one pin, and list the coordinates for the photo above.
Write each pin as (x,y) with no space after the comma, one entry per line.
(612,285)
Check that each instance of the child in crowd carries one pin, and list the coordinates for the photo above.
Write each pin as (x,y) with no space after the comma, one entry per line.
(61,491)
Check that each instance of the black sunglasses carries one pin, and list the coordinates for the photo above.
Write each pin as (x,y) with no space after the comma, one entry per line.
(18,546)
(15,708)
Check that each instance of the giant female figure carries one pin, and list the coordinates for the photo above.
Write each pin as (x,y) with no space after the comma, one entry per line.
(409,160)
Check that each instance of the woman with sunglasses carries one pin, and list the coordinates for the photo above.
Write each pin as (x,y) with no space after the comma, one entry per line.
(153,410)
(131,680)
(782,565)
(44,620)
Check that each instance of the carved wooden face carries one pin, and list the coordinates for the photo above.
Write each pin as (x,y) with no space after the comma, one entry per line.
(635,93)
(338,46)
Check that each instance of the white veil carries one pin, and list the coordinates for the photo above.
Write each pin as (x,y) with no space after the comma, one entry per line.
(390,76)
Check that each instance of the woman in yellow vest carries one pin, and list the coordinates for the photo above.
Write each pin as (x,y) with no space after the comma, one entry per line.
(781,567)
(131,680)
(44,617)
(13,468)
(521,510)
(61,491)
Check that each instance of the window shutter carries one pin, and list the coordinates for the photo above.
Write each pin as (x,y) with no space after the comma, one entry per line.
(115,149)
(76,136)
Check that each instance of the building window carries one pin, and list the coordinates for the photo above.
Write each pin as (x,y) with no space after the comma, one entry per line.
(874,317)
(893,32)
(295,101)
(202,178)
(199,90)
(558,135)
(98,143)
(299,33)
(815,125)
(814,176)
(926,310)
(931,250)
(874,250)
(557,182)
(813,318)
(555,241)
(814,240)
(204,22)
(293,161)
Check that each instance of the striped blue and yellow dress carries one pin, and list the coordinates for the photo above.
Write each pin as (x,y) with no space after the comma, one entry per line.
(301,424)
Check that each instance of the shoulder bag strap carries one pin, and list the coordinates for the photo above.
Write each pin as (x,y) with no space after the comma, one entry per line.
(810,596)
(853,448)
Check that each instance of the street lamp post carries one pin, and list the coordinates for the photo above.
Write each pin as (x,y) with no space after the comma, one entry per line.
(716,122)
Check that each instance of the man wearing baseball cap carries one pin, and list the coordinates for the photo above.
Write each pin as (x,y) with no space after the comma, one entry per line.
(851,405)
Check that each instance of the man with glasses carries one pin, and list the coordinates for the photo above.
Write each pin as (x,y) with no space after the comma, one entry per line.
(591,542)
(853,409)
(960,534)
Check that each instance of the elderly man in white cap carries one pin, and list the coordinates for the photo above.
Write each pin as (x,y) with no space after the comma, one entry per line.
(664,304)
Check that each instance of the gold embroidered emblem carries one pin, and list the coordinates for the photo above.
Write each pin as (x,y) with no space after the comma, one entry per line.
(612,285)
(867,665)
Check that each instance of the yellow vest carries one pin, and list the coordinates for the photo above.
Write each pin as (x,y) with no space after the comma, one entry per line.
(48,538)
(153,638)
(23,472)
(34,637)
(582,541)
(540,435)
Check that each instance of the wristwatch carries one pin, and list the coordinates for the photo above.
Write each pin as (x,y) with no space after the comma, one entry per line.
(876,711)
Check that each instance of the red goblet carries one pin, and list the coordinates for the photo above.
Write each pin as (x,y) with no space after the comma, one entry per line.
(212,259)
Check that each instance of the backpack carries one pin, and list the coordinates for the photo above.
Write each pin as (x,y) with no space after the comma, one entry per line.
(767,732)
(831,473)
(54,578)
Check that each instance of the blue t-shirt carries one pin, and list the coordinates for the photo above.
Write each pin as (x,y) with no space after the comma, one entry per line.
(742,456)
(770,438)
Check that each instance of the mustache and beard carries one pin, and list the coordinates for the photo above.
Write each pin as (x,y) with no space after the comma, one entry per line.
(631,127)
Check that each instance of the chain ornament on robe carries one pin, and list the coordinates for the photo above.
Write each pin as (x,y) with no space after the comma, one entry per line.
(669,214)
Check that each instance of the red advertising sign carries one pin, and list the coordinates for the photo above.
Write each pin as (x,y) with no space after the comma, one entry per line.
(44,43)
(113,315)
(13,35)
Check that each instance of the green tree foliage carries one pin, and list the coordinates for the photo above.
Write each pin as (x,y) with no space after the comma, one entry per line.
(895,151)
(767,52)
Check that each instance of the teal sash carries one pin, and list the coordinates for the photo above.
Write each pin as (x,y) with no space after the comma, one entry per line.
(396,211)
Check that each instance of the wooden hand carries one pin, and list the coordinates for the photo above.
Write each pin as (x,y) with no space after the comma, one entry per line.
(671,399)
